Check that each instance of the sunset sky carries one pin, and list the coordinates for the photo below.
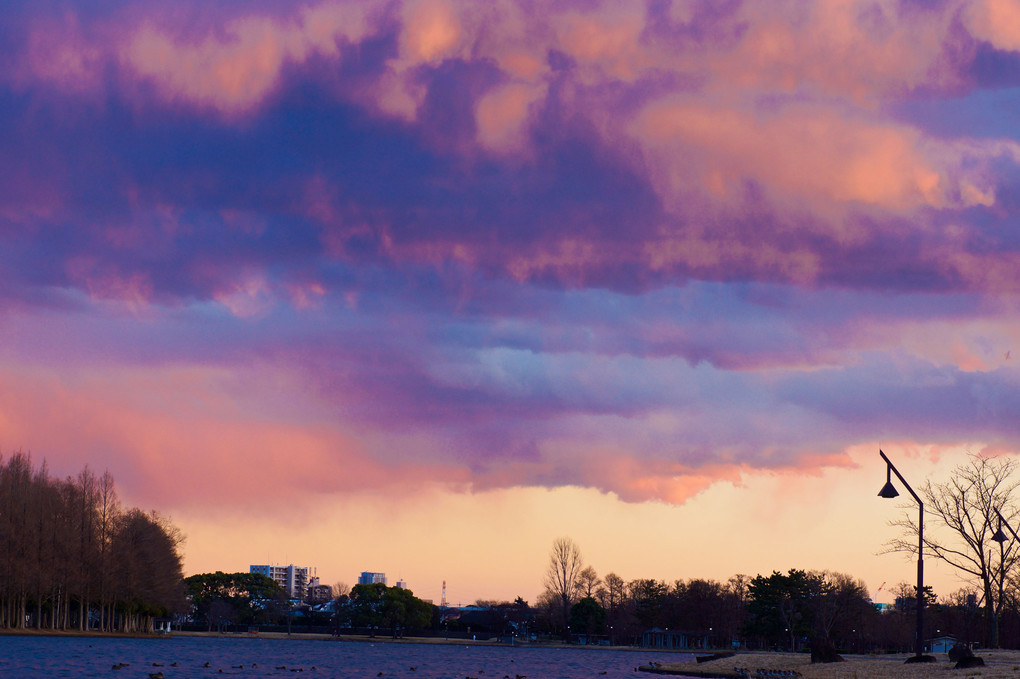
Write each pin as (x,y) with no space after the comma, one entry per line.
(419,286)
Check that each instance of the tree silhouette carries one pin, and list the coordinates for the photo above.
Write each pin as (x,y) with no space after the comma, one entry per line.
(565,565)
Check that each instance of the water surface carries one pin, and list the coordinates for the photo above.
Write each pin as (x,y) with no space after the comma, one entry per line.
(252,657)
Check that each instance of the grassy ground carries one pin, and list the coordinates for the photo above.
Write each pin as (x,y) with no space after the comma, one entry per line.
(999,664)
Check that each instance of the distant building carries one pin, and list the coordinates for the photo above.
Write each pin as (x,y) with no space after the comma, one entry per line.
(940,644)
(292,579)
(368,578)
(401,584)
(317,593)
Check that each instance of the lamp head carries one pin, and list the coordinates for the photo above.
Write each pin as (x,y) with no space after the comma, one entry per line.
(999,536)
(888,491)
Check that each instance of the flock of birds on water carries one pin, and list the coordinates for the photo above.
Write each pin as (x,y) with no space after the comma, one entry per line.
(766,674)
(254,665)
(747,673)
(742,671)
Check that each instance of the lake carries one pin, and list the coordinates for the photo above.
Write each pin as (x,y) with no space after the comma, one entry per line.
(27,656)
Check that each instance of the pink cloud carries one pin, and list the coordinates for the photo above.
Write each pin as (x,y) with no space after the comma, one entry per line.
(803,154)
(997,21)
(247,297)
(58,52)
(101,283)
(502,116)
(859,50)
(606,42)
(235,70)
(186,436)
(700,250)
(432,31)
(997,273)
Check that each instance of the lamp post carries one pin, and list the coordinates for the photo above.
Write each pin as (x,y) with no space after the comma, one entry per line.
(889,491)
(1001,538)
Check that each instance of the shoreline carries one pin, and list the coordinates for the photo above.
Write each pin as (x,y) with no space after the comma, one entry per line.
(298,636)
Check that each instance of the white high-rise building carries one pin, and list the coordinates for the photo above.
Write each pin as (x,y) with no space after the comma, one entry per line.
(293,579)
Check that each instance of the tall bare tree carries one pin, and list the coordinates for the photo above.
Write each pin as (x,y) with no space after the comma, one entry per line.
(67,553)
(963,509)
(565,566)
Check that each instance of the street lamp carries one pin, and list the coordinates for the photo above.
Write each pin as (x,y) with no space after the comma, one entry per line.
(999,536)
(889,491)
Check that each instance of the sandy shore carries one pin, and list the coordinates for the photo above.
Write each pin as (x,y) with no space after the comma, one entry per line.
(999,664)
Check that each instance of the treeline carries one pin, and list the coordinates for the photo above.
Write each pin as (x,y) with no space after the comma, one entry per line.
(222,600)
(71,558)
(777,611)
(620,611)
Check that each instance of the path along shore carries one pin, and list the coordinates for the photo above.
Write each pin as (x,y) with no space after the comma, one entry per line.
(999,664)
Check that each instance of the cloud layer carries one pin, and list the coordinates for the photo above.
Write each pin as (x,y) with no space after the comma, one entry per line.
(641,248)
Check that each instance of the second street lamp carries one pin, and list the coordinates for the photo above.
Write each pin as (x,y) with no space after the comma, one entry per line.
(889,491)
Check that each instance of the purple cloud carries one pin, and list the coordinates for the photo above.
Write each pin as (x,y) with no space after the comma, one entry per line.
(554,244)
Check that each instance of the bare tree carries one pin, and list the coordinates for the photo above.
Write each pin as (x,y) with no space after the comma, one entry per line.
(841,598)
(588,582)
(612,592)
(964,508)
(565,565)
(66,550)
(341,590)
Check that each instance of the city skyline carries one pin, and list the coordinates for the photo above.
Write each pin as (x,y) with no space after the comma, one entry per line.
(425,285)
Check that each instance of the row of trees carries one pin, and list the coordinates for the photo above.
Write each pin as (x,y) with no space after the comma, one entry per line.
(780,610)
(768,611)
(72,558)
(222,599)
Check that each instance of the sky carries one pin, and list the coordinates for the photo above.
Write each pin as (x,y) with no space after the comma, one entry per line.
(418,286)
